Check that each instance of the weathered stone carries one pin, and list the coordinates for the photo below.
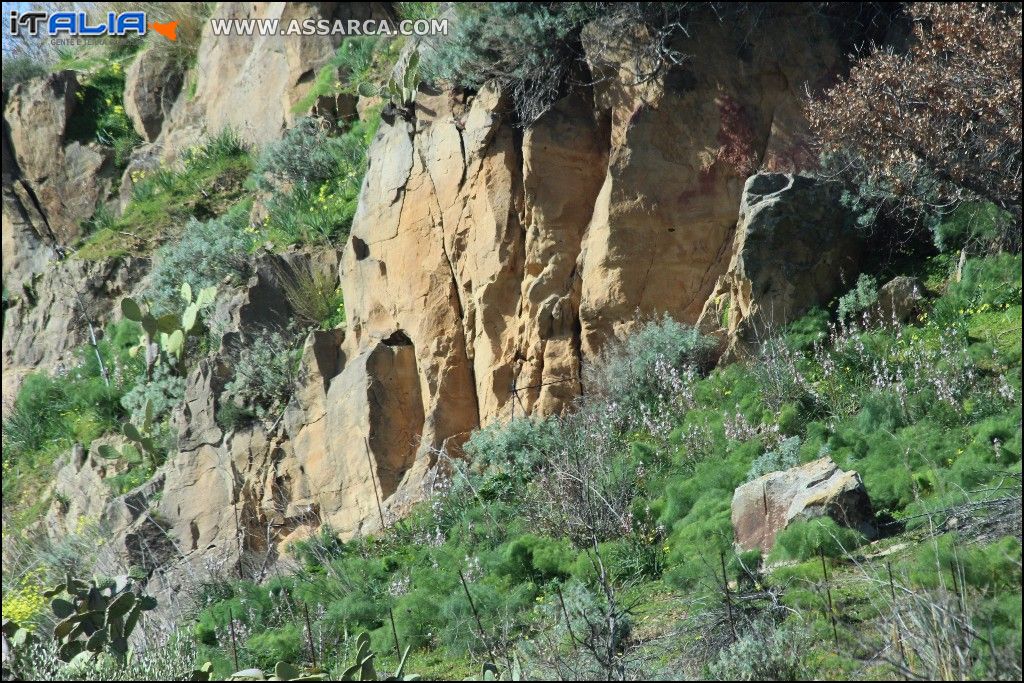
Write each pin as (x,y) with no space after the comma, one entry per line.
(765,506)
(898,299)
(270,74)
(151,86)
(49,312)
(365,444)
(794,248)
(66,179)
(482,257)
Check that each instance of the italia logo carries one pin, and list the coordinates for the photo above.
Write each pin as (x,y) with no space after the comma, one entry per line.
(79,24)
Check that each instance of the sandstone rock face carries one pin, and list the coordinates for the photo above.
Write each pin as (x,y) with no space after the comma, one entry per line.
(794,248)
(26,236)
(50,299)
(64,179)
(509,258)
(152,84)
(484,259)
(251,83)
(765,506)
(84,500)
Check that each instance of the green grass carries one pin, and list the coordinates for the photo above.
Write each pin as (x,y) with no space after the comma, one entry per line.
(320,211)
(915,456)
(51,413)
(99,115)
(208,183)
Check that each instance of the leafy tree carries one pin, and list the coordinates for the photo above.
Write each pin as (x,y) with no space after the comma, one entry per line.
(940,122)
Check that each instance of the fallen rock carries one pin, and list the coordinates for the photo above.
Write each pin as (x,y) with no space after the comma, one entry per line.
(765,506)
(898,299)
(794,248)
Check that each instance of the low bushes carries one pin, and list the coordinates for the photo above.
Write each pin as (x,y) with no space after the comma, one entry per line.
(314,179)
(206,185)
(206,253)
(51,413)
(266,365)
(100,116)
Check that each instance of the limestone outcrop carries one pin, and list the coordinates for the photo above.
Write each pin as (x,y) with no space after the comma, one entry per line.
(765,506)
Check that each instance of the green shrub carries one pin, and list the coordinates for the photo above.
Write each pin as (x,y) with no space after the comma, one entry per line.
(315,179)
(206,253)
(164,391)
(314,296)
(821,536)
(974,225)
(520,445)
(305,155)
(860,298)
(988,567)
(231,416)
(100,116)
(764,652)
(534,558)
(529,48)
(283,644)
(649,367)
(785,456)
(265,368)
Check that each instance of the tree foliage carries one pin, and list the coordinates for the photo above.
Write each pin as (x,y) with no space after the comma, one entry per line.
(940,122)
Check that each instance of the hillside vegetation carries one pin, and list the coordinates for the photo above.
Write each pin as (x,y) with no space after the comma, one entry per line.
(594,544)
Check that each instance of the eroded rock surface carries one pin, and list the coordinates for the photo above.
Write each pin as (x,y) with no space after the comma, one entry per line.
(64,179)
(483,258)
(765,506)
(795,247)
(152,84)
(251,84)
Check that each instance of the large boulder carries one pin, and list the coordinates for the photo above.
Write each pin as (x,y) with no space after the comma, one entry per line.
(795,247)
(765,506)
(898,299)
(65,179)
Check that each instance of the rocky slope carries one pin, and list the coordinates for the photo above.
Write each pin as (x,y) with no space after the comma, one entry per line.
(487,264)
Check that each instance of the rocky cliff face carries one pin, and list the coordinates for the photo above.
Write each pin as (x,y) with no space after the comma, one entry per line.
(486,265)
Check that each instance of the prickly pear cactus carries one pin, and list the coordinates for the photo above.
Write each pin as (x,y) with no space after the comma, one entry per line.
(168,333)
(363,669)
(96,617)
(16,640)
(142,450)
